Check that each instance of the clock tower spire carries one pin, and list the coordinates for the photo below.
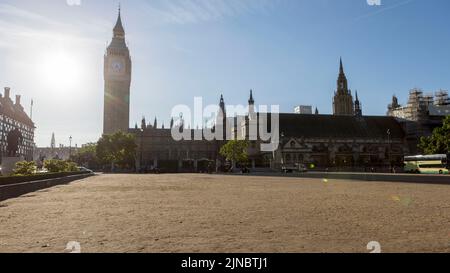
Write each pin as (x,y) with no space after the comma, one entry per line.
(117,75)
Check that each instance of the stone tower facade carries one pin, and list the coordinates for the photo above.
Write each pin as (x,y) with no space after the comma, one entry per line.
(343,100)
(117,75)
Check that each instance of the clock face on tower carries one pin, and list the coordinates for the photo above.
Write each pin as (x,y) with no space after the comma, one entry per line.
(117,66)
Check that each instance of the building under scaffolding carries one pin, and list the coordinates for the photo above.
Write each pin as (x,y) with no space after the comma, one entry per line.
(421,115)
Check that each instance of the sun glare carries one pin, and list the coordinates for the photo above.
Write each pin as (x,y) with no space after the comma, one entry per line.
(60,69)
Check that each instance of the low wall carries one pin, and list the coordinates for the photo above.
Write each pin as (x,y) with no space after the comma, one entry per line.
(12,187)
(375,177)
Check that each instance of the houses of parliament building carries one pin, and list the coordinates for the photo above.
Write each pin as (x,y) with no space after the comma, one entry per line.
(346,139)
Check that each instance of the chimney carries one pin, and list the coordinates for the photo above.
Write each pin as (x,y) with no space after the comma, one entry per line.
(17,99)
(7,92)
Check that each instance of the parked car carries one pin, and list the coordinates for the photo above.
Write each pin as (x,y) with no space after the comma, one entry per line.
(83,169)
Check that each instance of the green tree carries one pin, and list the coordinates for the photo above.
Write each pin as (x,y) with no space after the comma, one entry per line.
(439,141)
(24,168)
(87,156)
(236,151)
(117,149)
(57,166)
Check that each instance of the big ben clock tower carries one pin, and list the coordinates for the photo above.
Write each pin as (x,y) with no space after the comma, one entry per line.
(117,74)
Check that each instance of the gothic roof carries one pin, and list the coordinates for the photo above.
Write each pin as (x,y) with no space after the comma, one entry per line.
(330,126)
(118,41)
(118,29)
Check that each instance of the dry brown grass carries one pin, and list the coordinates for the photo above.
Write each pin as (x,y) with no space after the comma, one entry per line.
(212,213)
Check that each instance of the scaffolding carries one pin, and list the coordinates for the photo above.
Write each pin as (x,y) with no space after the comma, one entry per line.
(441,98)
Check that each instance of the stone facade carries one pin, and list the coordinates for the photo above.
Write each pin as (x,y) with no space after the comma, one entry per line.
(117,75)
(343,100)
(327,141)
(346,139)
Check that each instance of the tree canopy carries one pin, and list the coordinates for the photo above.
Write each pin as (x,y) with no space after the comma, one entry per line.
(87,156)
(235,151)
(118,148)
(439,141)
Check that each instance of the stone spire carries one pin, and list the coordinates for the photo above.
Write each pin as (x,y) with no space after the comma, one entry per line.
(53,143)
(222,105)
(251,101)
(143,124)
(343,100)
(358,108)
(119,31)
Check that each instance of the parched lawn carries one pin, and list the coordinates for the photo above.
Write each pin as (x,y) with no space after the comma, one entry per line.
(213,213)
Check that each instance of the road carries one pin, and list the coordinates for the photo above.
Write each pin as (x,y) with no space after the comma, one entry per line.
(213,213)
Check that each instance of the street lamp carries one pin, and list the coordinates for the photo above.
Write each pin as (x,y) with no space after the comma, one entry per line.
(142,150)
(389,149)
(70,147)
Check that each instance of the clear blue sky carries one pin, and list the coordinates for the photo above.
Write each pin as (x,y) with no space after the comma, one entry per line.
(287,51)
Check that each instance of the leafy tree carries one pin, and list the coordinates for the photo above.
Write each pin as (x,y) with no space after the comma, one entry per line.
(439,141)
(24,168)
(71,167)
(57,166)
(87,156)
(119,148)
(236,151)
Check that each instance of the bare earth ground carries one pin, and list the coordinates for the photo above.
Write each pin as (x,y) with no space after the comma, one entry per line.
(209,213)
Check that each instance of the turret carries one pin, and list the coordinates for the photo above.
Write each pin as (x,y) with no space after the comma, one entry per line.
(143,124)
(358,107)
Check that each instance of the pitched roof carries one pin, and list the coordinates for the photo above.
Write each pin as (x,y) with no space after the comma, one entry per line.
(330,126)
(14,111)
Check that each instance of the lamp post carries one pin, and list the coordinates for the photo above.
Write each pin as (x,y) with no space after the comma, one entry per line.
(70,147)
(389,149)
(142,150)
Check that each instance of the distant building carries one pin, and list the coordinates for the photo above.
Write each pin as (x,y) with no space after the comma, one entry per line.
(345,139)
(61,153)
(333,141)
(13,116)
(303,109)
(421,106)
(420,115)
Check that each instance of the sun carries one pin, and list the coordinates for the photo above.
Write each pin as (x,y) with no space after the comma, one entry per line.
(60,69)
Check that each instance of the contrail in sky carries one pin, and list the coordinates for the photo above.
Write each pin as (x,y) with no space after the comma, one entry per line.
(370,14)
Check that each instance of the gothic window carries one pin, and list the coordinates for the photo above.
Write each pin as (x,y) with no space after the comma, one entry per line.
(288,158)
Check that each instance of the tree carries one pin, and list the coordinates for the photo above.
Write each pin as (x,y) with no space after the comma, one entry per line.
(57,166)
(24,168)
(439,141)
(117,149)
(87,156)
(236,151)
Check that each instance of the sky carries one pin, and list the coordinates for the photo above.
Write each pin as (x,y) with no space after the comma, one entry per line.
(287,51)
